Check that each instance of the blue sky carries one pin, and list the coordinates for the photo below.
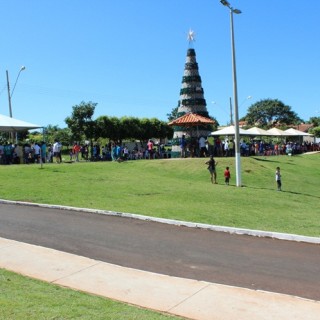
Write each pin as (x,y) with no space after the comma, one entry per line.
(128,56)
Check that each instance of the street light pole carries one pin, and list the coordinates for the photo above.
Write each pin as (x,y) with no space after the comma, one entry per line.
(231,115)
(9,95)
(235,96)
(8,86)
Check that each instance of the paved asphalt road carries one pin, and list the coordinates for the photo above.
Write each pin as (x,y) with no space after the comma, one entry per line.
(237,260)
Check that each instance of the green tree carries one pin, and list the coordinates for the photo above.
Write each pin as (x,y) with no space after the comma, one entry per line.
(266,113)
(147,129)
(103,126)
(50,133)
(130,127)
(315,131)
(173,115)
(315,121)
(34,136)
(165,131)
(161,129)
(80,122)
(64,136)
(22,135)
(114,129)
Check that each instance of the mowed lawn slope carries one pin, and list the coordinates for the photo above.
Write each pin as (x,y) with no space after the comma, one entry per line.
(181,189)
(23,298)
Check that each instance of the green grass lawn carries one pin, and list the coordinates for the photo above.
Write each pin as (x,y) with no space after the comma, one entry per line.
(180,189)
(22,298)
(177,189)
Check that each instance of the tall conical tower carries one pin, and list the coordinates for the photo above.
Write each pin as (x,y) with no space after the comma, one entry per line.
(191,93)
(191,99)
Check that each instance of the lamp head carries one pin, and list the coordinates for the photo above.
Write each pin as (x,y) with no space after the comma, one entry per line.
(225,3)
(236,11)
(22,68)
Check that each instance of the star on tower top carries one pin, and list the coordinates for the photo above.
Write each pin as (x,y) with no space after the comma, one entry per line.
(191,36)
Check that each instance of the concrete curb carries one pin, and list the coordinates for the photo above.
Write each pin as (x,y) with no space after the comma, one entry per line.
(231,230)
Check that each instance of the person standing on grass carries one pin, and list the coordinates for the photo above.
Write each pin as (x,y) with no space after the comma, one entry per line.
(37,152)
(57,151)
(76,150)
(227,176)
(43,147)
(183,145)
(150,148)
(202,147)
(278,178)
(212,169)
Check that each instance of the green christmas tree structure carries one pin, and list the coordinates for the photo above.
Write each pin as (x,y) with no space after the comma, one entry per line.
(191,100)
(191,93)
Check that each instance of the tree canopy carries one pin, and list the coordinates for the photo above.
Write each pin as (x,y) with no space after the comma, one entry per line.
(315,121)
(316,126)
(132,128)
(82,126)
(315,131)
(269,112)
(173,115)
(80,122)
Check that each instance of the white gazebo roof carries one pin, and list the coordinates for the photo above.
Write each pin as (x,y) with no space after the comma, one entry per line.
(8,124)
(259,132)
(228,131)
(296,132)
(279,132)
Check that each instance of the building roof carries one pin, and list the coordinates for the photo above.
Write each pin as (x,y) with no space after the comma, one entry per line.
(303,127)
(8,124)
(191,119)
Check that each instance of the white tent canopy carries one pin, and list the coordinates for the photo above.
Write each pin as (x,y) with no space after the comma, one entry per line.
(228,131)
(296,132)
(259,132)
(255,131)
(8,124)
(278,132)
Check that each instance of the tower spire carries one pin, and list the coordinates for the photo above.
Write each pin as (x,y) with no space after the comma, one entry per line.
(191,36)
(191,95)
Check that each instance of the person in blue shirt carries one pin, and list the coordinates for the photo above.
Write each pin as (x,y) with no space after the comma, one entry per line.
(183,146)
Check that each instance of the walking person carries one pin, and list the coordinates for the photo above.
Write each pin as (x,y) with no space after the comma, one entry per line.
(76,150)
(202,147)
(150,149)
(226,148)
(37,152)
(227,176)
(278,178)
(212,169)
(183,145)
(43,147)
(57,151)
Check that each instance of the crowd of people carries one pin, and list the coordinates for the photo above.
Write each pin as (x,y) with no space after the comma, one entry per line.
(28,153)
(116,151)
(226,147)
(48,153)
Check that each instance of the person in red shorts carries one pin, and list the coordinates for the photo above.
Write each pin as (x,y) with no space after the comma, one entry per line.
(227,175)
(150,148)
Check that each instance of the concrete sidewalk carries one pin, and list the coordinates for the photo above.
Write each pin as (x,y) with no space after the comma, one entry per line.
(184,297)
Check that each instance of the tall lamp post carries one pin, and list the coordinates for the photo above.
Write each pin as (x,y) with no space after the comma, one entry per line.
(11,93)
(235,95)
(8,86)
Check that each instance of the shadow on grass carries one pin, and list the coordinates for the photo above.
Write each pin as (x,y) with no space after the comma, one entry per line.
(268,160)
(283,191)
